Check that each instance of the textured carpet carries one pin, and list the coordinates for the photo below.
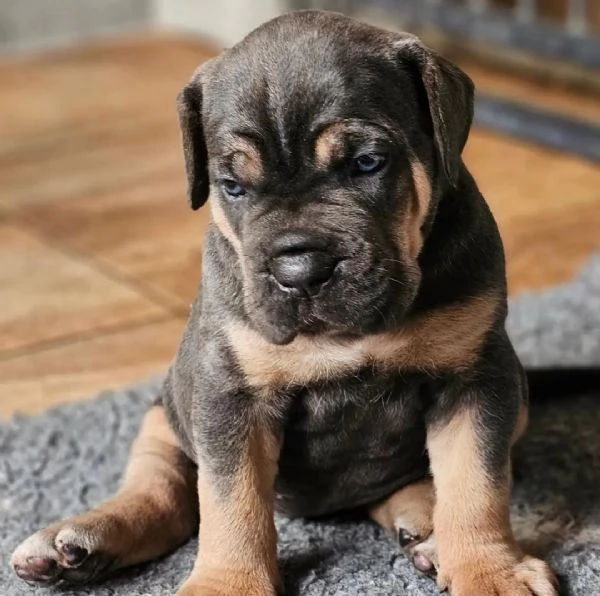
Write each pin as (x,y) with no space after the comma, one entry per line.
(70,458)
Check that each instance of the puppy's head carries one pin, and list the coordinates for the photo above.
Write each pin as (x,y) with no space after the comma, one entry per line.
(322,144)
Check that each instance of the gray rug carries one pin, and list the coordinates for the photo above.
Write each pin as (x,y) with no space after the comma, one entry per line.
(68,459)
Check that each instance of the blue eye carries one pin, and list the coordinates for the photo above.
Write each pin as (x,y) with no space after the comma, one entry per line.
(368,163)
(232,188)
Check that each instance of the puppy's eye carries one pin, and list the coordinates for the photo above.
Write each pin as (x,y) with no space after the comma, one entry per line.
(368,163)
(232,188)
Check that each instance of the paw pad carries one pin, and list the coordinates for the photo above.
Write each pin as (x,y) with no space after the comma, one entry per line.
(39,569)
(73,555)
(405,538)
(422,563)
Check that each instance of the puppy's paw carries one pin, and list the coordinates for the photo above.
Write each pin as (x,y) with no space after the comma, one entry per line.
(65,551)
(226,583)
(421,551)
(524,576)
(189,589)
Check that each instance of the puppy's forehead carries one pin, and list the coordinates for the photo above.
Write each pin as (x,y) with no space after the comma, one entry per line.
(302,70)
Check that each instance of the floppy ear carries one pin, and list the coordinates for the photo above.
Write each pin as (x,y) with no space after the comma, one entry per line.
(450,100)
(189,107)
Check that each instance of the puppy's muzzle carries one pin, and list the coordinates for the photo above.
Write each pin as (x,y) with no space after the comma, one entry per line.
(301,264)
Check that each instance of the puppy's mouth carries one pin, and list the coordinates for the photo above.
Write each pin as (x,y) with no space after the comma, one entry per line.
(294,312)
(348,299)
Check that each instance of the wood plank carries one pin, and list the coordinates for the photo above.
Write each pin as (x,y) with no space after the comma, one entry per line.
(520,179)
(549,247)
(144,232)
(80,87)
(548,95)
(48,296)
(36,381)
(81,121)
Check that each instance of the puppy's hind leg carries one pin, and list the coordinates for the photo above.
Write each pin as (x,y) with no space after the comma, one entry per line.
(155,511)
(408,515)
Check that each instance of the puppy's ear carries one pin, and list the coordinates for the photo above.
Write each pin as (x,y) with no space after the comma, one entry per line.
(450,101)
(189,107)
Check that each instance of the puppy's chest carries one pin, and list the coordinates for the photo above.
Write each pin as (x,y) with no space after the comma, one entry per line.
(367,416)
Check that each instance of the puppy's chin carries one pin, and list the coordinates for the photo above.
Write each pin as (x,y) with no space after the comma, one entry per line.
(281,333)
(280,336)
(356,308)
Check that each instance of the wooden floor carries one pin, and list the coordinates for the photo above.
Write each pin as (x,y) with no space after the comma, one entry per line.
(99,254)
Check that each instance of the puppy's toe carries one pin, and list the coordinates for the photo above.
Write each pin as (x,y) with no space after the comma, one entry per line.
(424,556)
(538,576)
(36,560)
(421,551)
(513,576)
(37,570)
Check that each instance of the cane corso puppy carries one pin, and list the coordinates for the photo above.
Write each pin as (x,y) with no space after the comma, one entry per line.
(347,349)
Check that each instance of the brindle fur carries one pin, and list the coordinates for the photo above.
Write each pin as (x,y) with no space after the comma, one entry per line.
(337,401)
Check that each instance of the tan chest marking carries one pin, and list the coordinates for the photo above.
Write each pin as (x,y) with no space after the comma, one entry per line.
(447,339)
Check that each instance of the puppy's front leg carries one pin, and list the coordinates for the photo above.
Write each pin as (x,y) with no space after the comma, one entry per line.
(469,447)
(238,545)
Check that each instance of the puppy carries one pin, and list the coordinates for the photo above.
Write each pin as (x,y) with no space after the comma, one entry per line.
(347,348)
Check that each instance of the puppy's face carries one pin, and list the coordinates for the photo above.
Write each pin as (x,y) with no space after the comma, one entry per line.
(316,143)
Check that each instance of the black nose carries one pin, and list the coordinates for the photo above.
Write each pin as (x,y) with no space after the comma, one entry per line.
(301,264)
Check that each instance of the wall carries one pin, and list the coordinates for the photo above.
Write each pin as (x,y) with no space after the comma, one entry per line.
(222,21)
(37,24)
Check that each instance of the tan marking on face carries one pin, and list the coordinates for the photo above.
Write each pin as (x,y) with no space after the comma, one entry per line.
(329,144)
(248,165)
(220,220)
(471,518)
(410,509)
(419,208)
(246,160)
(238,541)
(447,339)
(411,220)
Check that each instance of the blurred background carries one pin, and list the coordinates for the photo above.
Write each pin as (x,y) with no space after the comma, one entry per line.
(99,254)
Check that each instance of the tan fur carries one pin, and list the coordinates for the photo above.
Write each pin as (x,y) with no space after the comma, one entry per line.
(220,220)
(476,548)
(238,552)
(246,160)
(471,514)
(410,509)
(247,164)
(329,144)
(411,236)
(157,498)
(448,338)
